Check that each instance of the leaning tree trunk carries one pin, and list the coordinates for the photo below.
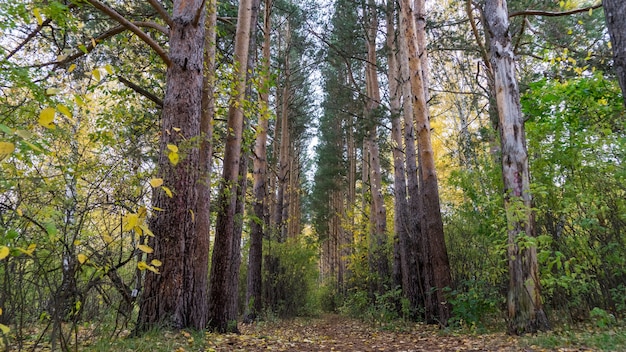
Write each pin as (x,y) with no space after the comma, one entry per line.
(436,266)
(222,318)
(524,298)
(176,296)
(615,13)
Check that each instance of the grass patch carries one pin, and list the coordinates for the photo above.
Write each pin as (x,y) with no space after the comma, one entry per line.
(584,337)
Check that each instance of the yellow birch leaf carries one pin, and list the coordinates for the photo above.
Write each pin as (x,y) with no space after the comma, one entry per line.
(157,209)
(108,239)
(142,265)
(130,221)
(79,100)
(590,11)
(145,249)
(82,258)
(96,74)
(176,129)
(153,269)
(156,182)
(193,216)
(146,231)
(109,69)
(37,14)
(64,110)
(93,42)
(53,91)
(4,252)
(167,191)
(156,262)
(174,158)
(5,329)
(6,148)
(46,117)
(24,134)
(173,148)
(19,212)
(71,68)
(609,44)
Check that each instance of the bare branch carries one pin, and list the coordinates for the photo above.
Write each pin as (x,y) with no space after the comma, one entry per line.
(162,12)
(553,13)
(141,91)
(133,28)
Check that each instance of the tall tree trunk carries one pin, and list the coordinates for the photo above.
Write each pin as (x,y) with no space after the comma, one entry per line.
(436,256)
(415,274)
(379,214)
(615,13)
(283,158)
(524,298)
(175,296)
(406,264)
(259,224)
(222,284)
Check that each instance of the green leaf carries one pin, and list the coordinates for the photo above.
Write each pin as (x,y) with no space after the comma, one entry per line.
(37,14)
(5,329)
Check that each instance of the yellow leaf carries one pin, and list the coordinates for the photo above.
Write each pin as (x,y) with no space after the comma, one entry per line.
(153,269)
(569,31)
(145,249)
(6,148)
(142,212)
(193,216)
(176,129)
(64,110)
(130,221)
(37,14)
(53,91)
(590,11)
(109,69)
(610,45)
(29,251)
(146,231)
(142,265)
(19,212)
(157,209)
(156,262)
(108,239)
(82,258)
(5,329)
(71,68)
(0,310)
(77,242)
(156,182)
(174,158)
(93,43)
(24,134)
(96,74)
(167,191)
(172,148)
(79,100)
(4,252)
(46,117)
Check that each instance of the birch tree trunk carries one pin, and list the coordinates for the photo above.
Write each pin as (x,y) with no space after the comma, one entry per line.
(222,284)
(175,297)
(525,310)
(615,13)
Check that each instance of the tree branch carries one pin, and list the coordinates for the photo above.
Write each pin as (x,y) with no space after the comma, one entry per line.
(553,13)
(141,91)
(133,28)
(162,12)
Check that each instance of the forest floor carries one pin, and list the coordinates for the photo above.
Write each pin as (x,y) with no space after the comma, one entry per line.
(333,332)
(339,333)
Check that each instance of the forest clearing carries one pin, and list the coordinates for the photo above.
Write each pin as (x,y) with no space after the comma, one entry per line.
(404,175)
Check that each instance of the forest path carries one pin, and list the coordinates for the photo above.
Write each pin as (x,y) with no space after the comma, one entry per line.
(339,333)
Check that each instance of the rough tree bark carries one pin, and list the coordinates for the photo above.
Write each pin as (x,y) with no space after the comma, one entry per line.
(222,285)
(436,263)
(177,296)
(525,310)
(259,225)
(615,13)
(379,215)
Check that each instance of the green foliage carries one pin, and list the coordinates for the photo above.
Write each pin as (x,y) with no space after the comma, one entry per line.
(383,308)
(473,302)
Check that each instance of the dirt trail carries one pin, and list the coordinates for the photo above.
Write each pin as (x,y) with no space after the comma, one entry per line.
(337,333)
